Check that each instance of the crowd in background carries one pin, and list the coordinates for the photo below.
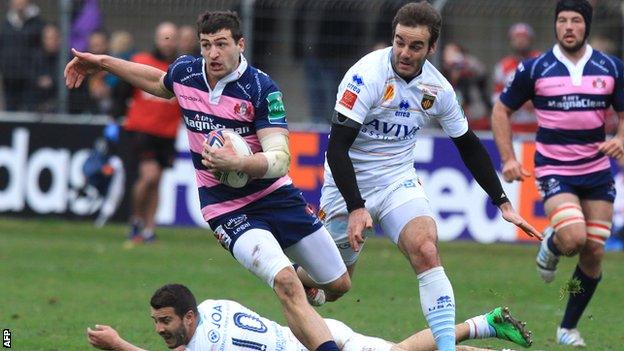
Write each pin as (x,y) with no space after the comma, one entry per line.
(324,45)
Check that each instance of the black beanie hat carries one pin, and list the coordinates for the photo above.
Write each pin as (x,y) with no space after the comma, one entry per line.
(581,6)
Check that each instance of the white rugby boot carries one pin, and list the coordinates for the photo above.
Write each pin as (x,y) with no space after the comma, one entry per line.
(546,260)
(570,337)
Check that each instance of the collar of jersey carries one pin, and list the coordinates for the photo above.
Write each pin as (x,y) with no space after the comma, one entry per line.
(576,70)
(215,94)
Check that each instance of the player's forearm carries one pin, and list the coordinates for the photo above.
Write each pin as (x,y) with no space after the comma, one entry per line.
(620,129)
(340,141)
(144,77)
(255,165)
(501,128)
(478,162)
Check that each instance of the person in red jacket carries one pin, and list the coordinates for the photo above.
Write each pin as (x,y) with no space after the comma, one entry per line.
(152,124)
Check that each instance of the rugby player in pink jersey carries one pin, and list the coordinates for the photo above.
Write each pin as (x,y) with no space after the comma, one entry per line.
(572,86)
(267,222)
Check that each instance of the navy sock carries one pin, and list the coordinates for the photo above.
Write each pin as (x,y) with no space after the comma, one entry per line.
(578,301)
(551,245)
(328,346)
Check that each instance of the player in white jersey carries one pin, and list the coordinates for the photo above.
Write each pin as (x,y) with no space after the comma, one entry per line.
(227,325)
(382,102)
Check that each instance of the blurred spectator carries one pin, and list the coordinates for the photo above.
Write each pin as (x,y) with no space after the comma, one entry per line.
(152,123)
(121,46)
(99,90)
(520,40)
(189,44)
(47,68)
(86,19)
(328,38)
(20,42)
(94,96)
(468,76)
(616,241)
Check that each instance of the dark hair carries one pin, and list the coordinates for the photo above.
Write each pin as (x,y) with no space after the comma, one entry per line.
(212,22)
(419,13)
(177,296)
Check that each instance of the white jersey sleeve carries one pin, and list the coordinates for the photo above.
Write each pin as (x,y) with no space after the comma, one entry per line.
(359,90)
(451,116)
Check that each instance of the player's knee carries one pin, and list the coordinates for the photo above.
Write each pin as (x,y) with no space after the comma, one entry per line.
(337,288)
(572,243)
(287,285)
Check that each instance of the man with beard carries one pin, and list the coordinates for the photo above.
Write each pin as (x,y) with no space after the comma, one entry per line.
(572,87)
(382,103)
(228,325)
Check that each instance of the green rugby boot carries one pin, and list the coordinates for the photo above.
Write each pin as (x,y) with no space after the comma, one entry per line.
(509,328)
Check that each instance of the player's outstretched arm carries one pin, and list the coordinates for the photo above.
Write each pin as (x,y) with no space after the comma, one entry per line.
(104,337)
(144,77)
(478,161)
(501,128)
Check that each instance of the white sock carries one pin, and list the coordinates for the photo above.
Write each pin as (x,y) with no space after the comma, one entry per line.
(438,305)
(480,328)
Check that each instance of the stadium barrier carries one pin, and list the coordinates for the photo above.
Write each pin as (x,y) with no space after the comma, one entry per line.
(40,172)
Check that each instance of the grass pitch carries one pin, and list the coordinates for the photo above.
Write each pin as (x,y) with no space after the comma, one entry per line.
(60,277)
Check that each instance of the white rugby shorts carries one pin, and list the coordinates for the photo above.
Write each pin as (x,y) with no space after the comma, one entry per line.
(391,207)
(259,252)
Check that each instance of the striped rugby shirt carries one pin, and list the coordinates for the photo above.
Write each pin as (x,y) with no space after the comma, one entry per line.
(245,101)
(571,103)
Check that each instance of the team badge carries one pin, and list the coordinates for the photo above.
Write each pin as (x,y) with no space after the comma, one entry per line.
(427,101)
(242,109)
(599,83)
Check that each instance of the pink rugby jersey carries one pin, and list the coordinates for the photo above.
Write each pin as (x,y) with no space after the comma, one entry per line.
(245,101)
(571,102)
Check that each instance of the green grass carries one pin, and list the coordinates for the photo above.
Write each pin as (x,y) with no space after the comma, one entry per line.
(59,277)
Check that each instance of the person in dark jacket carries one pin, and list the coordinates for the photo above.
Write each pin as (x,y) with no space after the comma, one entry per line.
(20,40)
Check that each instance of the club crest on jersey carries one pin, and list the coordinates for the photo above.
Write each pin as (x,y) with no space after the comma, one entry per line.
(427,101)
(242,109)
(599,83)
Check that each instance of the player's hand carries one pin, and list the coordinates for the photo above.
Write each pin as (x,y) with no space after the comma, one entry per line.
(510,215)
(513,170)
(222,158)
(82,65)
(103,337)
(359,220)
(613,148)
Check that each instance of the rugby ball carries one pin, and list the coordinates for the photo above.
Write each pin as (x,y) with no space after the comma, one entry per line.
(234,179)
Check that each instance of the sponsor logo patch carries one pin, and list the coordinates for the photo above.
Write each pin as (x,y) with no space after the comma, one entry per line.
(277,111)
(348,99)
